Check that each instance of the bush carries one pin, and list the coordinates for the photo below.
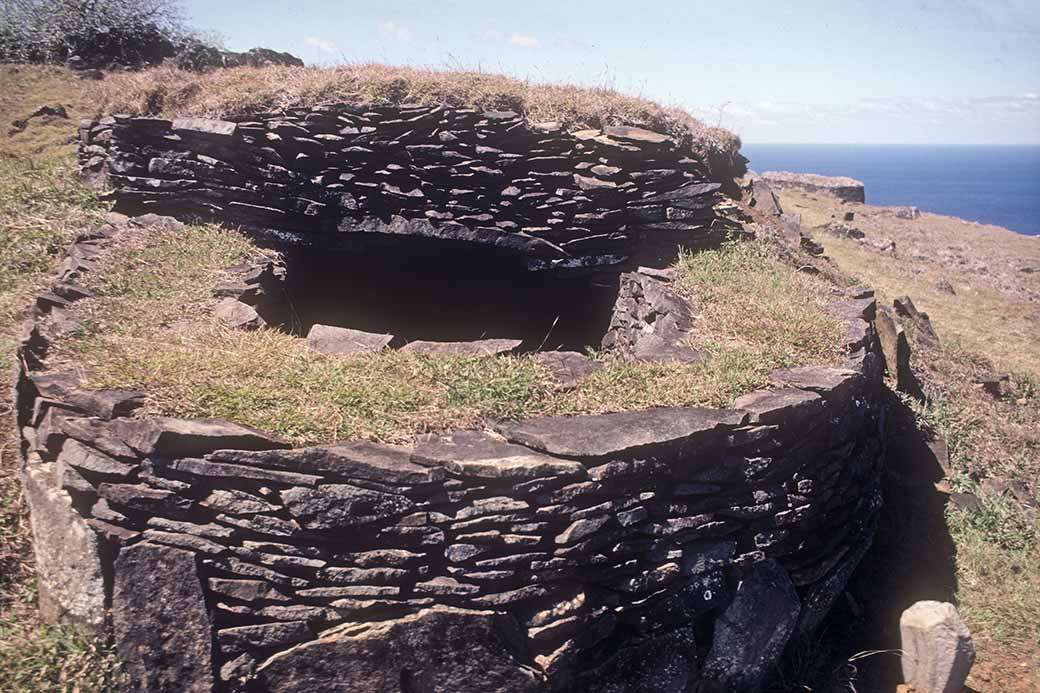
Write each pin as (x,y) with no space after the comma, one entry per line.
(90,33)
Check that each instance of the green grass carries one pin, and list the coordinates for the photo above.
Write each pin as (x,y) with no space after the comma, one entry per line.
(150,329)
(54,659)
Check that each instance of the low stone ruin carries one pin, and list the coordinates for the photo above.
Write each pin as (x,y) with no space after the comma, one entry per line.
(842,187)
(655,549)
(343,175)
(668,549)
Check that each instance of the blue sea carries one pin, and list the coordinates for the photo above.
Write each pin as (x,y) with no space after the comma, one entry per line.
(990,184)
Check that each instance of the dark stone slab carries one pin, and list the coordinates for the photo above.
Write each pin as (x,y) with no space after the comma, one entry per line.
(98,464)
(386,464)
(819,379)
(477,454)
(621,434)
(337,506)
(751,633)
(170,437)
(462,651)
(264,635)
(104,404)
(162,630)
(239,471)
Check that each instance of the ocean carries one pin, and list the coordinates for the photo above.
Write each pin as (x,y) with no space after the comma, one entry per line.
(990,184)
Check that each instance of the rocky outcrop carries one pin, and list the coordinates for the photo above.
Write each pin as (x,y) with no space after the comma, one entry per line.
(841,187)
(346,174)
(558,553)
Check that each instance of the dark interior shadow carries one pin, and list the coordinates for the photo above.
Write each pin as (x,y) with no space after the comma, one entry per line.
(442,292)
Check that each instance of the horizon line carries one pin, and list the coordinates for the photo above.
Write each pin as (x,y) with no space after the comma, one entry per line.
(899,144)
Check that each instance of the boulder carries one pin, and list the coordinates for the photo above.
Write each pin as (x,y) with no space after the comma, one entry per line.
(937,649)
(69,575)
(326,339)
(751,633)
(462,651)
(162,630)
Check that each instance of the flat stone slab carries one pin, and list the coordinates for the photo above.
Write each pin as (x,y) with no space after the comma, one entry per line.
(386,464)
(779,406)
(170,437)
(479,347)
(820,379)
(621,434)
(477,454)
(327,339)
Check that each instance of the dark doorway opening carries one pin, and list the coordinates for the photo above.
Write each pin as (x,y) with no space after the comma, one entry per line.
(444,292)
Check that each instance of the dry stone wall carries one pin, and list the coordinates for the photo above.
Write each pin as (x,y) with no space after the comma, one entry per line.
(335,174)
(650,550)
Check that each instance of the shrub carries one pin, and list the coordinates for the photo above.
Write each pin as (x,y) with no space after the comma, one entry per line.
(93,33)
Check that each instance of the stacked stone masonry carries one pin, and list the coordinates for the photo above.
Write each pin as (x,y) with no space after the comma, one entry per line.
(650,550)
(335,174)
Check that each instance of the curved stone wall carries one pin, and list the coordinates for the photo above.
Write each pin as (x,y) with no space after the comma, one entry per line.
(335,174)
(648,550)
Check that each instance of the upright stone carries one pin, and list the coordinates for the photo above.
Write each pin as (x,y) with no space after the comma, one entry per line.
(68,554)
(937,648)
(162,630)
(750,635)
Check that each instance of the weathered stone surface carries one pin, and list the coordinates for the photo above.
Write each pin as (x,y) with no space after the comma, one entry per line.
(335,506)
(620,434)
(326,339)
(477,454)
(104,404)
(70,577)
(663,663)
(479,347)
(238,315)
(779,406)
(162,628)
(937,649)
(204,127)
(461,650)
(386,464)
(239,638)
(922,329)
(819,379)
(751,633)
(170,437)
(81,457)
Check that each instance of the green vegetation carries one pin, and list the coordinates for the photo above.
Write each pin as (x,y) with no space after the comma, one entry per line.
(242,91)
(149,328)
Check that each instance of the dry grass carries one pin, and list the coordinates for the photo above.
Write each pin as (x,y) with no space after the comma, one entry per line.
(985,327)
(23,89)
(150,328)
(244,91)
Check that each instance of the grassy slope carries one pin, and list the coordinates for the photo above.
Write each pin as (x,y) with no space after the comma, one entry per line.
(984,327)
(41,207)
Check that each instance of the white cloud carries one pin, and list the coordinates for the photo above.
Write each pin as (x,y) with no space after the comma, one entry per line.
(395,31)
(323,45)
(513,39)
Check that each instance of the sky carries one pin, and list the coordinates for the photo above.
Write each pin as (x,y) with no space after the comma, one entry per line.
(844,71)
